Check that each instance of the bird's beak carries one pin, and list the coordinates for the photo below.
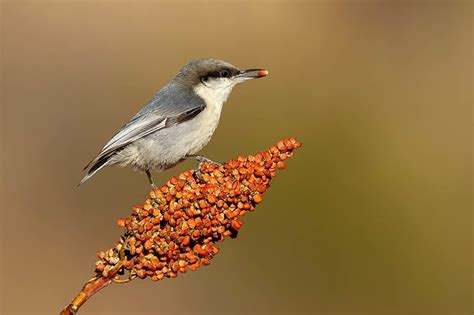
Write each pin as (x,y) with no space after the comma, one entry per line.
(251,74)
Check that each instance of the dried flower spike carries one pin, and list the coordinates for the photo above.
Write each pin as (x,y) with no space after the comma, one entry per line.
(177,228)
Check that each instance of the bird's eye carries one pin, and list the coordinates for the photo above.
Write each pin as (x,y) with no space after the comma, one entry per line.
(224,74)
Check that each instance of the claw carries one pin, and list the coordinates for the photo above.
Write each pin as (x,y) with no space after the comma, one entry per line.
(201,159)
(197,172)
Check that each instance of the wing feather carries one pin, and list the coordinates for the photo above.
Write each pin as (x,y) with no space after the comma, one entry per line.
(163,111)
(135,129)
(141,126)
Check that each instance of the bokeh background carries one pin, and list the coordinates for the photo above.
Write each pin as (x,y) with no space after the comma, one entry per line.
(372,216)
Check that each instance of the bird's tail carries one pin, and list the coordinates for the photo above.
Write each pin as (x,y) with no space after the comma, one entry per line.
(96,166)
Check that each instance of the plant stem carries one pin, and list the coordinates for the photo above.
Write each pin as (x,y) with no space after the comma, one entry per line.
(91,287)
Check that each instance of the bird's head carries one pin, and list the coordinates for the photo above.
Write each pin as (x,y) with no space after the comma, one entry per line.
(214,79)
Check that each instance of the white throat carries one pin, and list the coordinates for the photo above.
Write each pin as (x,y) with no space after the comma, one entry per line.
(214,94)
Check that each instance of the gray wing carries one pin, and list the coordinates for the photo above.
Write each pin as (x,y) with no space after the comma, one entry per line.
(158,114)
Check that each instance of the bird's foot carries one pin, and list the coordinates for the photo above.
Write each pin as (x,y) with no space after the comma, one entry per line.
(197,171)
(150,180)
(202,159)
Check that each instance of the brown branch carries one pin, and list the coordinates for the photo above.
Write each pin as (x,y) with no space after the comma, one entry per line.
(91,287)
(178,227)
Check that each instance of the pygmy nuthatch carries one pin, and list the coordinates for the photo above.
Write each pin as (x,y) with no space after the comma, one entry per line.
(177,122)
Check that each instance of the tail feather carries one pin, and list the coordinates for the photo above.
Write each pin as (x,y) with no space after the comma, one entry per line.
(97,166)
(88,164)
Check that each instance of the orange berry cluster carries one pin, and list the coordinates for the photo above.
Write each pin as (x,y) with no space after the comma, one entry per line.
(178,226)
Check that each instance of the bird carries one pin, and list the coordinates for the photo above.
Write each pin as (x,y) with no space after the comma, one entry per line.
(177,122)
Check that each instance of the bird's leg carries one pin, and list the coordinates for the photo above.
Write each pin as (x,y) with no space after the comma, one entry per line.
(201,159)
(150,179)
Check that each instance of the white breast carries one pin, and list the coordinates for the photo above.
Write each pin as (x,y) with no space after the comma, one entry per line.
(168,146)
(206,122)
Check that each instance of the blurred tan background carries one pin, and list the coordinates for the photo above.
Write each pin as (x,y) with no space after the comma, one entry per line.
(372,216)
